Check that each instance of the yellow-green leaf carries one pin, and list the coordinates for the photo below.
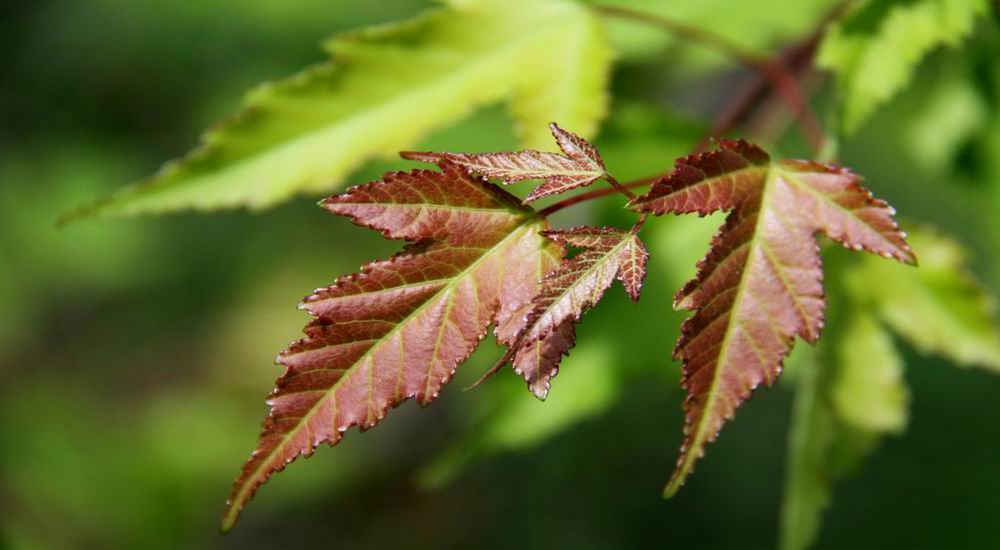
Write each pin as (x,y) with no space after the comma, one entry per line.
(384,89)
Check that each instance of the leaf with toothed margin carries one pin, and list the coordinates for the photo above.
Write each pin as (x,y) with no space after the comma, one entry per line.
(579,165)
(567,292)
(399,328)
(386,88)
(761,283)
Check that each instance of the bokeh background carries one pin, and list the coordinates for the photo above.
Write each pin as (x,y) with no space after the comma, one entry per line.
(135,355)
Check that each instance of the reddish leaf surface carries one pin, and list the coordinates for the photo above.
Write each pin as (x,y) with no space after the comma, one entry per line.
(567,292)
(580,165)
(399,328)
(761,283)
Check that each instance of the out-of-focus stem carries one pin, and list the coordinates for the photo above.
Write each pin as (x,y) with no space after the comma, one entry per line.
(773,71)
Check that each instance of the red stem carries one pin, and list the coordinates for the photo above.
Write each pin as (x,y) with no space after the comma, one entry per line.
(773,71)
(595,194)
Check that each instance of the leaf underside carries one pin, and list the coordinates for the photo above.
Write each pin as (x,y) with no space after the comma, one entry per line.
(761,283)
(399,328)
(383,90)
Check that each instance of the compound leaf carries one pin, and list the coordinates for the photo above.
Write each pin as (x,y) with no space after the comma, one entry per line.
(761,283)
(382,91)
(399,328)
(578,166)
(876,50)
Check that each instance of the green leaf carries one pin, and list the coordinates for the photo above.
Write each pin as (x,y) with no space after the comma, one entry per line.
(514,422)
(386,88)
(952,114)
(939,308)
(876,49)
(848,394)
(851,392)
(868,392)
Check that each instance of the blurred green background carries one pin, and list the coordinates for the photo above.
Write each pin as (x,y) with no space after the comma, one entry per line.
(135,355)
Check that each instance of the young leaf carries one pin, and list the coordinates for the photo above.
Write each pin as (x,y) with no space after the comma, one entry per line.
(940,308)
(569,290)
(384,89)
(398,329)
(761,283)
(876,50)
(579,166)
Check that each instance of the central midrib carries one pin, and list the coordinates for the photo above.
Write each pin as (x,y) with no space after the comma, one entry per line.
(724,346)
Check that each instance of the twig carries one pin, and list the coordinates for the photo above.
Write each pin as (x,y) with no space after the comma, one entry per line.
(596,194)
(773,71)
(755,91)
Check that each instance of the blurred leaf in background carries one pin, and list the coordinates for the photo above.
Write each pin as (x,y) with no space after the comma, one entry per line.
(850,391)
(384,89)
(875,50)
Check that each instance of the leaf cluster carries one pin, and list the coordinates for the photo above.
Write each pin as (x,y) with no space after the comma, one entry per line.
(398,329)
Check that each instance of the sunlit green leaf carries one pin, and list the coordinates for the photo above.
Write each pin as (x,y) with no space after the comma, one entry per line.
(851,392)
(868,391)
(385,88)
(948,118)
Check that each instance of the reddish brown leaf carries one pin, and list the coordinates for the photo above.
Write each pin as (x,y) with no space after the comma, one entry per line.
(761,283)
(580,165)
(569,290)
(400,327)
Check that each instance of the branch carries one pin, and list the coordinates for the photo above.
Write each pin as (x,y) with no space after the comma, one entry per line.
(772,71)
